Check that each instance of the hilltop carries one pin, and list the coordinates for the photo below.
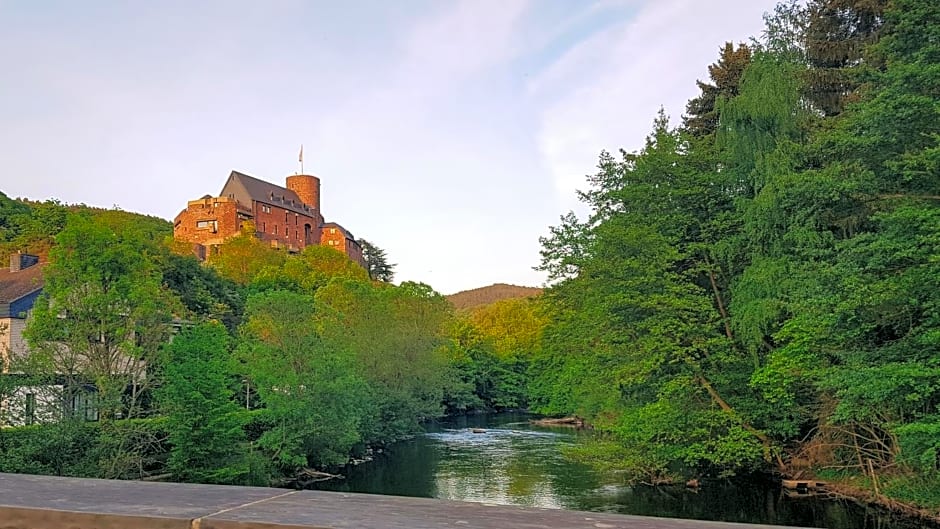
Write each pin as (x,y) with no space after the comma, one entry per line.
(31,225)
(467,299)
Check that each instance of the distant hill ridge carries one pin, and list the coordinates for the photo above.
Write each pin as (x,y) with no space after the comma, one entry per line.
(485,295)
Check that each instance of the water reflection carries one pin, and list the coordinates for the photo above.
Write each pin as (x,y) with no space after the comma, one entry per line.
(511,462)
(505,465)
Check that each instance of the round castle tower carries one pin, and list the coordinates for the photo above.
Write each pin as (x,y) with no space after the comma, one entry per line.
(307,188)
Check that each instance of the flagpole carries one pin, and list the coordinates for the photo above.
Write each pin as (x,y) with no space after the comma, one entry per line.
(301,158)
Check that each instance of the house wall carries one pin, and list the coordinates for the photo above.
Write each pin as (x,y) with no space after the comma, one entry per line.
(12,344)
(285,227)
(21,306)
(207,221)
(5,332)
(35,405)
(334,238)
(354,252)
(339,239)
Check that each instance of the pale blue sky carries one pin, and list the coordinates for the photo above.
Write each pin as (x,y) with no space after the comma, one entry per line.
(450,133)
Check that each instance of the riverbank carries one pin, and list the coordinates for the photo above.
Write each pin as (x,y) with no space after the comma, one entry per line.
(860,490)
(514,462)
(572,422)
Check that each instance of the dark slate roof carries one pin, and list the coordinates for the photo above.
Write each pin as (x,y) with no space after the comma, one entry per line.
(247,189)
(15,285)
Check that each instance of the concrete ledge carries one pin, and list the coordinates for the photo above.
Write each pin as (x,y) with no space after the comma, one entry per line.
(43,502)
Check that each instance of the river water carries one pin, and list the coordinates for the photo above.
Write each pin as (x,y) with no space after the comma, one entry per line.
(515,463)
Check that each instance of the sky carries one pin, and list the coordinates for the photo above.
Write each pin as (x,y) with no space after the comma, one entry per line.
(450,133)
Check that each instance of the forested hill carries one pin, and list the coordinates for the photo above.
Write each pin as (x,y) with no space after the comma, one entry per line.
(31,226)
(490,294)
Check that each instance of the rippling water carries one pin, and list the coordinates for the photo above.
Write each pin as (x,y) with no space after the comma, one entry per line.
(511,462)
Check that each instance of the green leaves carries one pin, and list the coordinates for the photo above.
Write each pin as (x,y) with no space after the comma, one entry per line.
(103,315)
(773,272)
(310,388)
(203,421)
(377,264)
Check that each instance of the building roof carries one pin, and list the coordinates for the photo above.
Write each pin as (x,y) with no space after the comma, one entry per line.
(346,233)
(16,285)
(247,189)
(19,289)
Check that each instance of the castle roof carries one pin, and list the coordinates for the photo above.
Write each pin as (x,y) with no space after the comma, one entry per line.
(247,189)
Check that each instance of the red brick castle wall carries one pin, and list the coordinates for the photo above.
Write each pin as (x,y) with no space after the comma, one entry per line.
(278,217)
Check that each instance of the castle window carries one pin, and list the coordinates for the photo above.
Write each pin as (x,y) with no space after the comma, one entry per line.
(208,225)
(332,230)
(266,209)
(275,229)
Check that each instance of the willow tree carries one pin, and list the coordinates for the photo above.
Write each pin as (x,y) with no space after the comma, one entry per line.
(702,113)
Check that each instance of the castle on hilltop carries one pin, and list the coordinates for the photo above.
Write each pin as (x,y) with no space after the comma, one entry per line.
(286,217)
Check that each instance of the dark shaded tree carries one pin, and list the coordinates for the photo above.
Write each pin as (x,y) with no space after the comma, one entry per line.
(202,417)
(377,262)
(838,35)
(204,292)
(701,113)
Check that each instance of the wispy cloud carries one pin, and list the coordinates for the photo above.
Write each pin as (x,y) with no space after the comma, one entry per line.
(604,91)
(449,133)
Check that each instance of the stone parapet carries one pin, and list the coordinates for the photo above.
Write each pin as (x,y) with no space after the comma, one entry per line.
(45,502)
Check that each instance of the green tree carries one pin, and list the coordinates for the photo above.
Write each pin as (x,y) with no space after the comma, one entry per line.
(308,271)
(11,211)
(377,262)
(201,289)
(242,258)
(313,396)
(837,35)
(635,342)
(102,318)
(866,332)
(397,336)
(39,224)
(197,398)
(701,112)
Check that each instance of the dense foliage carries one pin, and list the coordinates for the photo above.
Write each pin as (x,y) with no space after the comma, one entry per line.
(757,288)
(251,368)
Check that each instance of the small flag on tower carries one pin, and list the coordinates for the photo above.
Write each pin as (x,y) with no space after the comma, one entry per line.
(301,158)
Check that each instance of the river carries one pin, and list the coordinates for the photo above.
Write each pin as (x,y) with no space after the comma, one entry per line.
(515,463)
